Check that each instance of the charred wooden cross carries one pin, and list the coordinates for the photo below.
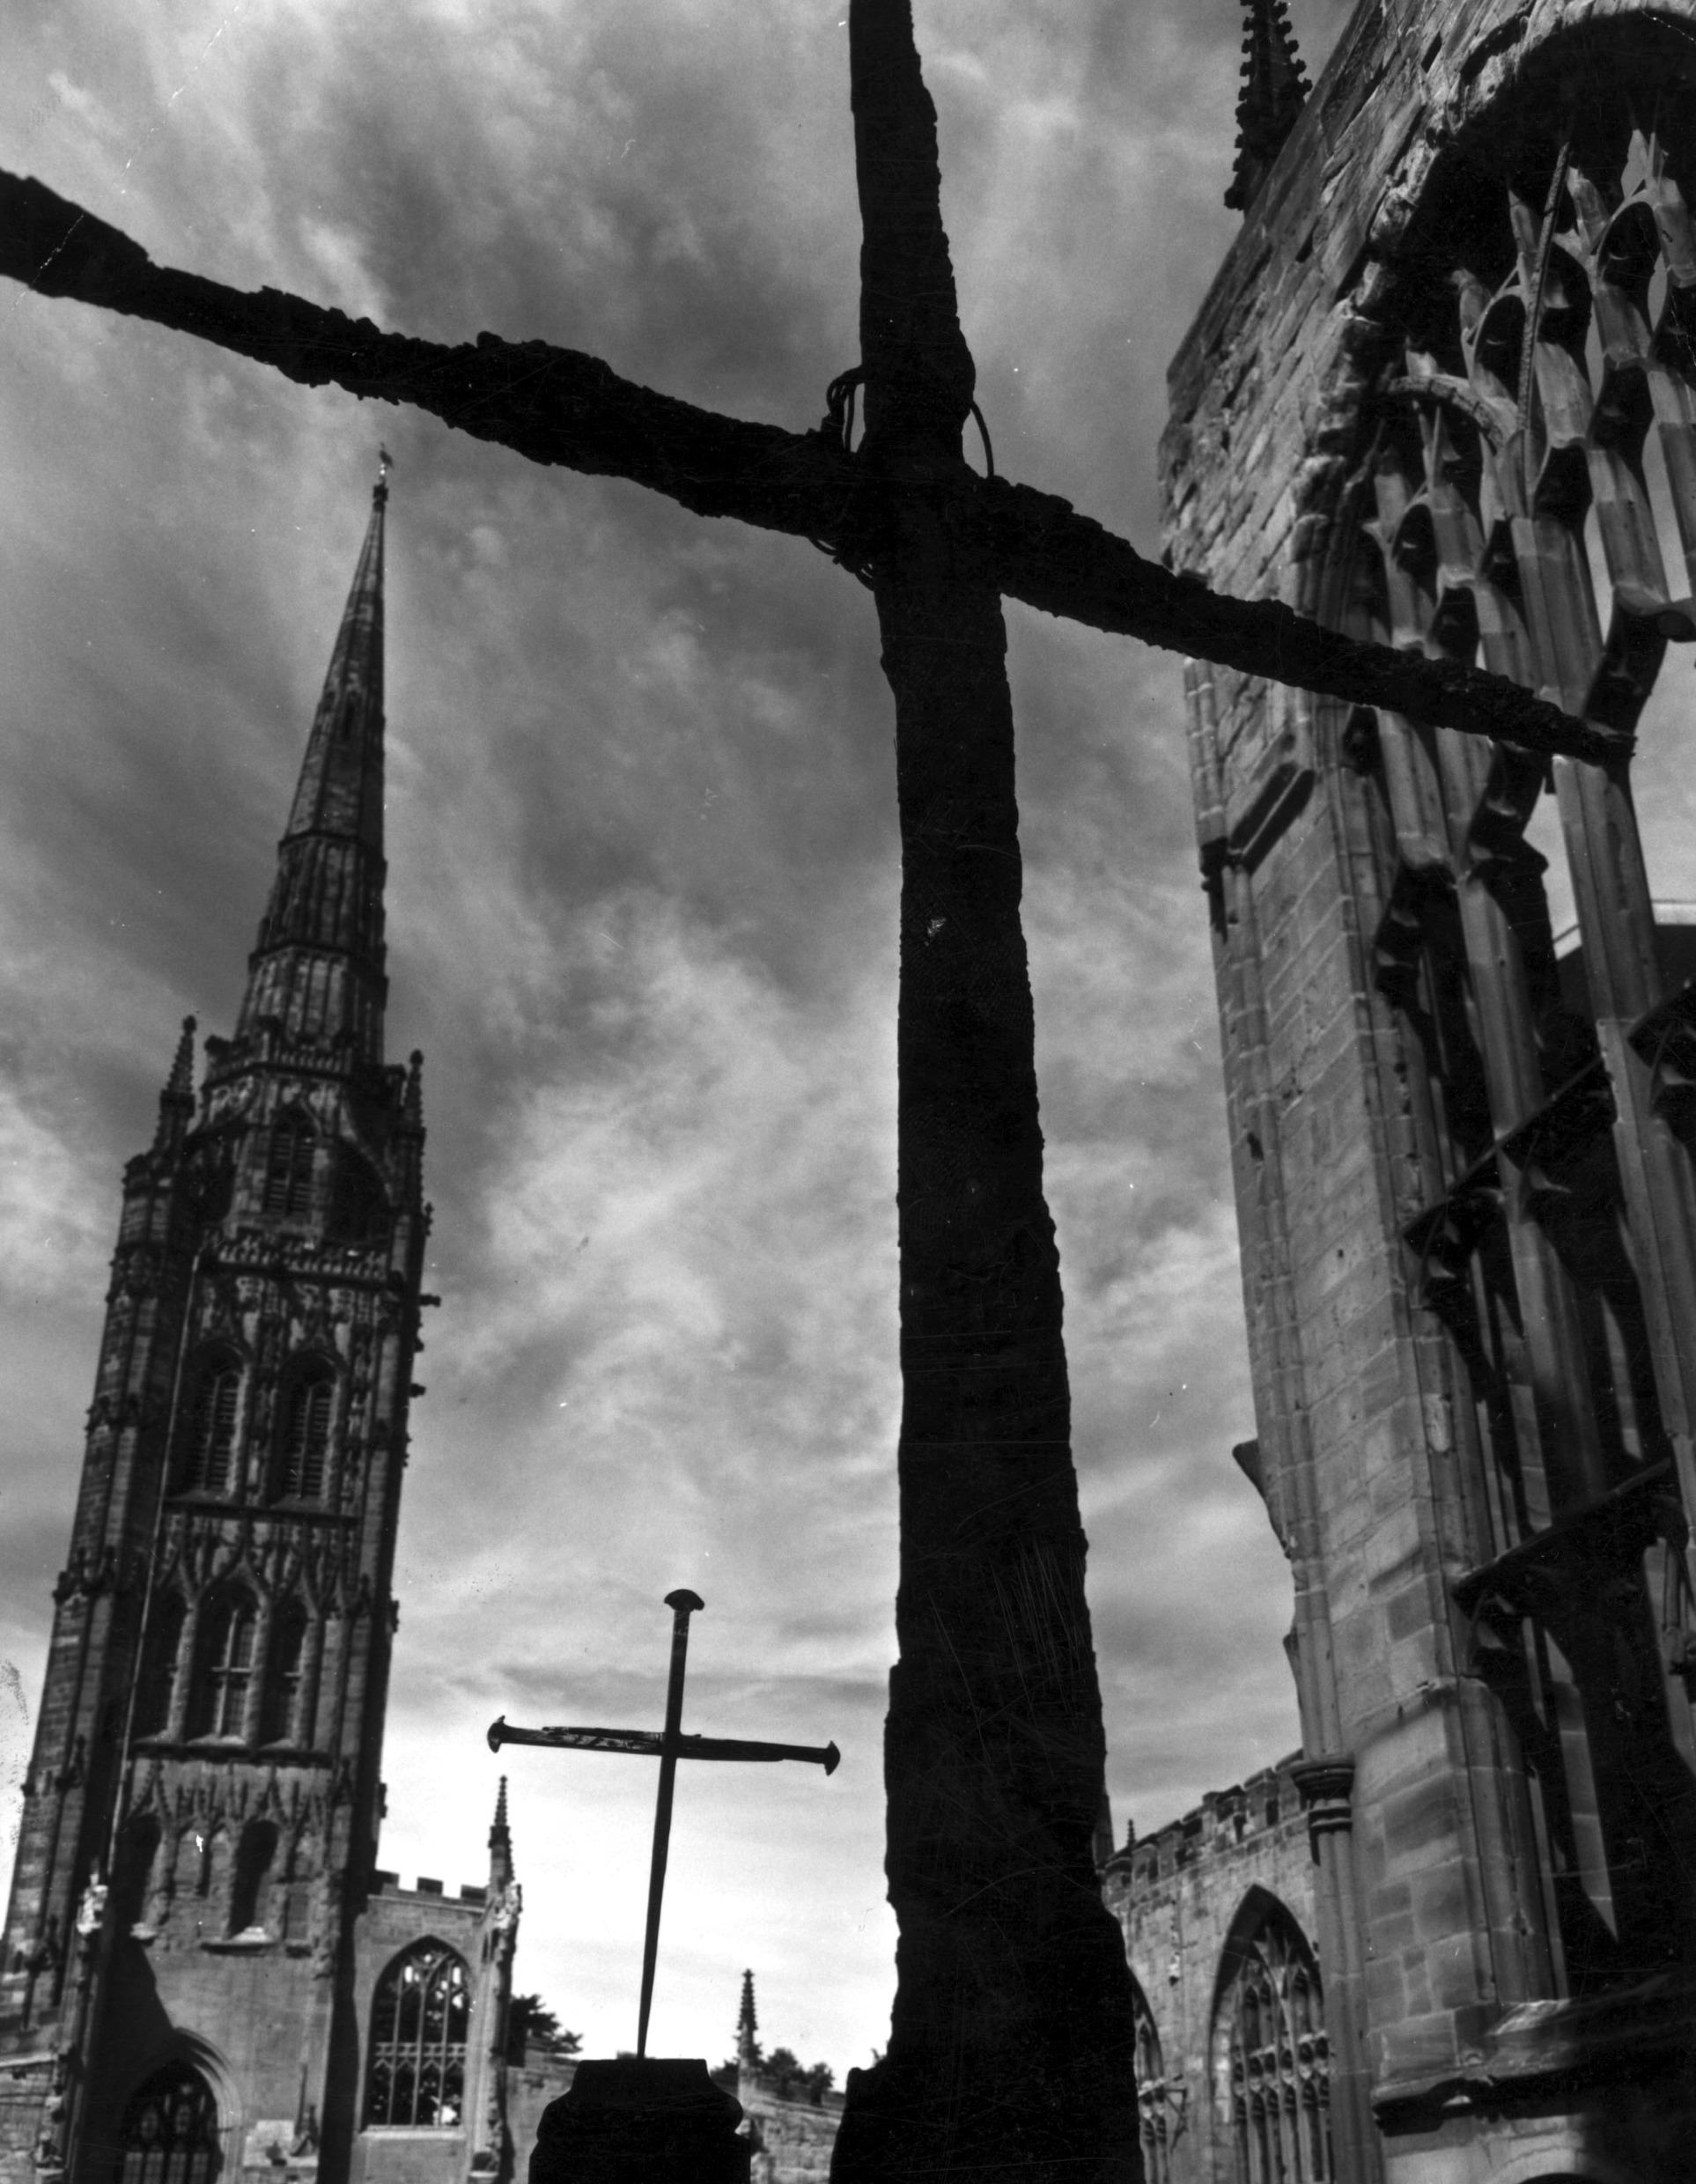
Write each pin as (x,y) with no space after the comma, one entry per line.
(1013,2035)
(667,1746)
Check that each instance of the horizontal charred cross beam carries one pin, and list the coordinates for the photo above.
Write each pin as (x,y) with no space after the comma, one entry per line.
(557,406)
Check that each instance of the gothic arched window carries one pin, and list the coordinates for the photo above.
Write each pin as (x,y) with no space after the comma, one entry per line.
(169,2132)
(230,1623)
(280,1722)
(156,1683)
(208,1462)
(250,1879)
(419,2021)
(1271,2050)
(1152,2101)
(359,1208)
(288,1166)
(303,1451)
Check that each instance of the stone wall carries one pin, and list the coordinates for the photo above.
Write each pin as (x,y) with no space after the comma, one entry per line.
(1180,1894)
(792,2139)
(23,2088)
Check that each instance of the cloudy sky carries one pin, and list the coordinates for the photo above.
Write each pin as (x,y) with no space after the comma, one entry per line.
(642,894)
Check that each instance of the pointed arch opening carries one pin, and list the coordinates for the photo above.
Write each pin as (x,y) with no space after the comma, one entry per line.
(307,1413)
(250,1877)
(1271,2055)
(228,1637)
(359,1206)
(156,1686)
(1153,2100)
(280,1721)
(169,2132)
(211,1423)
(420,2019)
(288,1164)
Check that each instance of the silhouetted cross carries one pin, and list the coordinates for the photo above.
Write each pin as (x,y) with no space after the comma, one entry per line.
(667,1746)
(1013,2035)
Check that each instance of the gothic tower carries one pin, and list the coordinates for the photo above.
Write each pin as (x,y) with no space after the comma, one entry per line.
(197,1850)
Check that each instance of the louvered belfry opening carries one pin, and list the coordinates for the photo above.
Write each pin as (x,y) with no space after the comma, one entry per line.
(1527,499)
(208,1463)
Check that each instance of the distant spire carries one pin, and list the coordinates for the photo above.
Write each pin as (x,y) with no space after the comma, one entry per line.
(318,967)
(1274,90)
(747,2027)
(500,1842)
(177,1100)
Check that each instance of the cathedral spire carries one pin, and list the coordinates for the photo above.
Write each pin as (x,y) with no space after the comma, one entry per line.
(317,971)
(1274,90)
(747,2027)
(500,1844)
(177,1100)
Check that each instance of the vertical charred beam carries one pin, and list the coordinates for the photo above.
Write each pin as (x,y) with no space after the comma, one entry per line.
(1012,2041)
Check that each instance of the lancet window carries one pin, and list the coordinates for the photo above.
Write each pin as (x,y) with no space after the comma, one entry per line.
(303,1454)
(155,1687)
(213,1424)
(419,2023)
(169,2132)
(1530,504)
(284,1670)
(1269,2039)
(229,1633)
(359,1208)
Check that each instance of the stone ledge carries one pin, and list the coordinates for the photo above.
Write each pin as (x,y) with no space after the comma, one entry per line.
(1561,2048)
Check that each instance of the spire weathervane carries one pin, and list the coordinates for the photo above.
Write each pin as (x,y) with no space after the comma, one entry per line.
(667,1746)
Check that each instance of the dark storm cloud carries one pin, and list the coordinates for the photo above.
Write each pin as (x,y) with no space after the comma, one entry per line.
(642,892)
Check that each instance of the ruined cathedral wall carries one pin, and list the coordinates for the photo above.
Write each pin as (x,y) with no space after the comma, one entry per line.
(1428,1924)
(1180,1894)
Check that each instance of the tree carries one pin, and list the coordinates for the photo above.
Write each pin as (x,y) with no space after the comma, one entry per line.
(530,2023)
(790,2079)
(1012,2037)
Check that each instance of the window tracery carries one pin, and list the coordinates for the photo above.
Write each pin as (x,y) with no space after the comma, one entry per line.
(229,1632)
(1531,461)
(419,2023)
(169,2133)
(1270,2034)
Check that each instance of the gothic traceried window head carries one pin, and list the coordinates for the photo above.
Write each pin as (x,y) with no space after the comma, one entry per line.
(229,1627)
(303,1453)
(169,2133)
(288,1166)
(1270,2054)
(420,2018)
(207,1464)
